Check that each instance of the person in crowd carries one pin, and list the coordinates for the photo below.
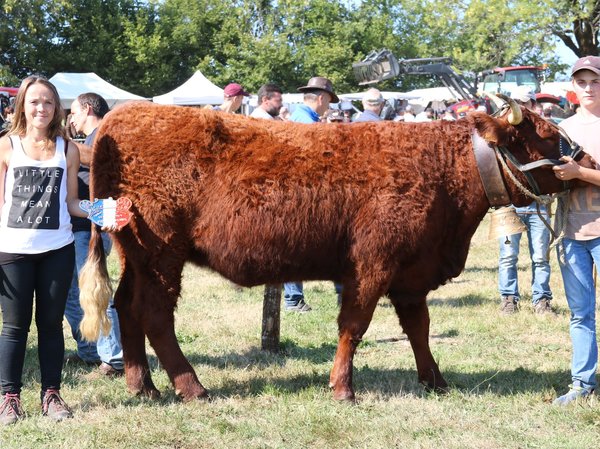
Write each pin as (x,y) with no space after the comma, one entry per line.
(233,97)
(269,102)
(579,250)
(539,239)
(334,116)
(424,116)
(284,113)
(547,113)
(87,111)
(399,117)
(538,108)
(347,115)
(408,115)
(318,94)
(9,112)
(372,102)
(449,115)
(37,254)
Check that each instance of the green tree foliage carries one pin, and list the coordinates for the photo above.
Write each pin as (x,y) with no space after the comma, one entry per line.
(152,46)
(576,23)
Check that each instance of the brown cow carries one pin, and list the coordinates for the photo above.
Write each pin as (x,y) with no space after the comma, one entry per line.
(383,208)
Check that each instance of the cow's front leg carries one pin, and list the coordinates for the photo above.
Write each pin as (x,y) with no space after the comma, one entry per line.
(353,322)
(414,319)
(137,371)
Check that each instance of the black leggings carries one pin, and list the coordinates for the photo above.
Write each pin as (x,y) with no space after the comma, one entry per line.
(48,275)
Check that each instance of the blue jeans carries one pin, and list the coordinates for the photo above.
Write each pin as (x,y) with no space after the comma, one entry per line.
(539,239)
(577,272)
(108,347)
(294,292)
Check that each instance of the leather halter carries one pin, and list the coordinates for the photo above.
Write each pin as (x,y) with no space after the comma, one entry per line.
(490,174)
(566,146)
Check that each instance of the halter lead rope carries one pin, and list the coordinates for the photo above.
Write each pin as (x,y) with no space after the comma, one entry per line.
(561,209)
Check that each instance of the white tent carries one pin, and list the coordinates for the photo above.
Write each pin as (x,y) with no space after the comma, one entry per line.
(424,96)
(558,88)
(195,91)
(388,95)
(70,85)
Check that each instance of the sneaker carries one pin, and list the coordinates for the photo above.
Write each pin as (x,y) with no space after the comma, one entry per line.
(110,371)
(543,307)
(576,394)
(509,305)
(10,409)
(54,407)
(300,307)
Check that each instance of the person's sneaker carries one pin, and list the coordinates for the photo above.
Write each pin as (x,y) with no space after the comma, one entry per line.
(543,307)
(10,409)
(108,370)
(575,395)
(509,305)
(300,307)
(54,407)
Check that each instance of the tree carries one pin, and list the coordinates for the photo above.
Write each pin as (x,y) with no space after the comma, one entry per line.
(576,25)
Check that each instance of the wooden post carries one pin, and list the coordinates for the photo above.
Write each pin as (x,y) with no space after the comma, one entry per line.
(271,318)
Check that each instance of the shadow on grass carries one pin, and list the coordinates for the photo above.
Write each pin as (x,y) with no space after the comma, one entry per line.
(461,301)
(262,359)
(493,269)
(382,382)
(388,382)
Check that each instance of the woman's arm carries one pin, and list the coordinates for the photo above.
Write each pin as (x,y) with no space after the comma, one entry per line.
(5,153)
(72,186)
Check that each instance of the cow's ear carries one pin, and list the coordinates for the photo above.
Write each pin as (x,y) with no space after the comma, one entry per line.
(494,130)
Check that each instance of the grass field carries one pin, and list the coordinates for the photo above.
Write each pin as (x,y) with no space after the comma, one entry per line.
(504,373)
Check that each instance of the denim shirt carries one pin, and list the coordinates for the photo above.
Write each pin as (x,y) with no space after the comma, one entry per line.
(304,114)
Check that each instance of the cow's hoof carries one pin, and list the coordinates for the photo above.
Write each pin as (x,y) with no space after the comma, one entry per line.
(434,382)
(194,394)
(437,387)
(344,395)
(150,393)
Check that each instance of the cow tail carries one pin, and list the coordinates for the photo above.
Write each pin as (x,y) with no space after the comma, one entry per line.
(95,290)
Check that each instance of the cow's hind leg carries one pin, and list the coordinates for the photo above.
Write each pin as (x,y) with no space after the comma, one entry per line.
(162,289)
(353,321)
(137,371)
(414,319)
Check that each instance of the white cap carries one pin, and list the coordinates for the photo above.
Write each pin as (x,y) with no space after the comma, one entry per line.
(522,94)
(373,97)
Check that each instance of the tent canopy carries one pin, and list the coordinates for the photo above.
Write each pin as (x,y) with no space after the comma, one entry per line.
(197,90)
(70,85)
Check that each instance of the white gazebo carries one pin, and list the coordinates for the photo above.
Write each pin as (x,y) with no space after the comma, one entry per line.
(197,90)
(70,85)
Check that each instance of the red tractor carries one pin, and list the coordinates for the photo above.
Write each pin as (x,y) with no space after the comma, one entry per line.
(504,79)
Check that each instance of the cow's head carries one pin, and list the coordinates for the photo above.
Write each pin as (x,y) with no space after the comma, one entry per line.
(528,146)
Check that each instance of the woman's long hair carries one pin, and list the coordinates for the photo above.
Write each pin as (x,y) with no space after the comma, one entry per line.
(19,123)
